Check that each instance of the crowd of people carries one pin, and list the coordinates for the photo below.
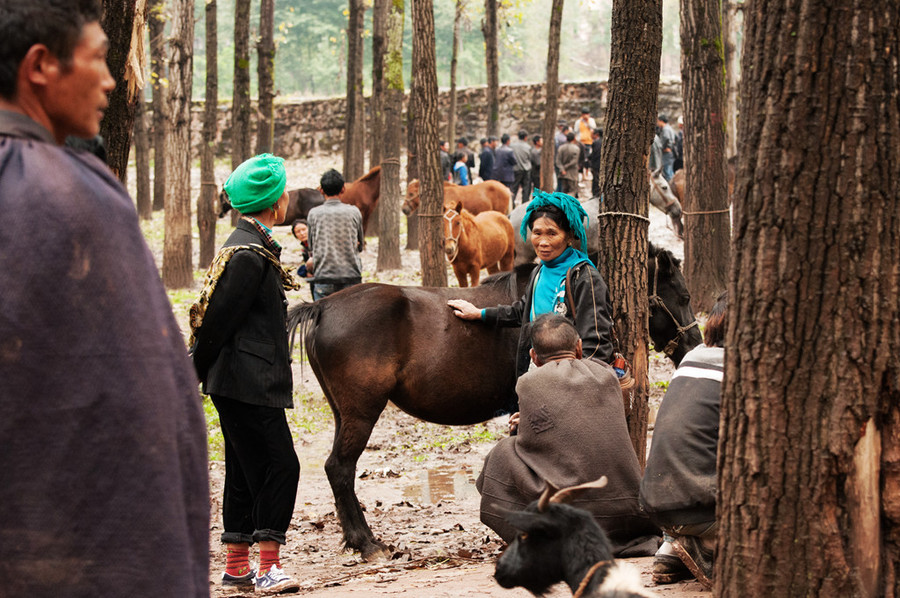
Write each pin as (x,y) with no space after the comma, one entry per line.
(105,441)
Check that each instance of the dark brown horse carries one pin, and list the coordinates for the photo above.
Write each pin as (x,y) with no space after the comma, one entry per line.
(362,193)
(374,343)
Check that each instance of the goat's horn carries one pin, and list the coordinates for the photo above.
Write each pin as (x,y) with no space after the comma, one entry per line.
(565,493)
(546,497)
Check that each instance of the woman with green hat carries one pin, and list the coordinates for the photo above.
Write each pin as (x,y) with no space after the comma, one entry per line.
(240,351)
(565,281)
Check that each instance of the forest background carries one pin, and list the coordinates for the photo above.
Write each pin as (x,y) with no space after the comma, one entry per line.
(311,38)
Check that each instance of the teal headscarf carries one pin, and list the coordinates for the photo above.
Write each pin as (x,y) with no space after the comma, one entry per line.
(571,207)
(256,184)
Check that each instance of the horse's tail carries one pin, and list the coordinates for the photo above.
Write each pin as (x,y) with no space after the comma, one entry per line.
(305,316)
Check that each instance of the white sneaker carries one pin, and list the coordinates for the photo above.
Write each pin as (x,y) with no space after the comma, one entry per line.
(275,581)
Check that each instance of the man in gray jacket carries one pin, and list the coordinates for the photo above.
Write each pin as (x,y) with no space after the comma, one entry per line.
(522,169)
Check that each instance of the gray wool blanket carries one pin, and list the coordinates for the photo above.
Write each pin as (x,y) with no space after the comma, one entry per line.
(572,430)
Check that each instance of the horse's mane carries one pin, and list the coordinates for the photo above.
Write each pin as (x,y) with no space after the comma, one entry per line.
(654,251)
(369,175)
(509,278)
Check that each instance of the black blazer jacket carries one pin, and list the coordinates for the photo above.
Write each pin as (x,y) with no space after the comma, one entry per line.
(242,348)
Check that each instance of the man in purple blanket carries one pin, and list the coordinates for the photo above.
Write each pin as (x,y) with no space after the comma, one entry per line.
(103,473)
(571,430)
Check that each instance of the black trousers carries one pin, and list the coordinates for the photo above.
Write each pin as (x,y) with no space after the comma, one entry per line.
(523,181)
(595,181)
(261,472)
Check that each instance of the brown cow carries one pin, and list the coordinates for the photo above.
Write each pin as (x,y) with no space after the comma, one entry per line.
(489,195)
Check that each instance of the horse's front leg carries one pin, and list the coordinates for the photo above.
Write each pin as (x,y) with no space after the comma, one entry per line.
(462,276)
(350,438)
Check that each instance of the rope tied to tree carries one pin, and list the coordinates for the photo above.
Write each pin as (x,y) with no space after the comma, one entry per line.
(390,161)
(207,183)
(626,215)
(683,213)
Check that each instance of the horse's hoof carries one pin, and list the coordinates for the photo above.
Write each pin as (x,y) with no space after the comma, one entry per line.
(375,551)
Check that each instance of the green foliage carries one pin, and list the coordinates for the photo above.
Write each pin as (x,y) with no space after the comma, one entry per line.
(311,41)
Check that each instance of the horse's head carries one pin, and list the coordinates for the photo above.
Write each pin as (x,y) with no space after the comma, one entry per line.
(673,327)
(663,197)
(453,228)
(412,197)
(224,204)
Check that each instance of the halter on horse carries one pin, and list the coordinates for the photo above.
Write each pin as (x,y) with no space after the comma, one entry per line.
(657,302)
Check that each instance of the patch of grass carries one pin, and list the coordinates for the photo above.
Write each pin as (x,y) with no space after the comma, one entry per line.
(215,440)
(449,437)
(311,413)
(663,384)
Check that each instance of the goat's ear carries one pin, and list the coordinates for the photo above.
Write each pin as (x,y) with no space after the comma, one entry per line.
(567,493)
(530,522)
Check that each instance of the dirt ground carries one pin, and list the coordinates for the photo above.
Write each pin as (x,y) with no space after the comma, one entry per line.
(416,480)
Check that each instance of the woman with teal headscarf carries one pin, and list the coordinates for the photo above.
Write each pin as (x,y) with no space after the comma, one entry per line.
(556,221)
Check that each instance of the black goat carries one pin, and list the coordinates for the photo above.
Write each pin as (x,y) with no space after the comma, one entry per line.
(559,542)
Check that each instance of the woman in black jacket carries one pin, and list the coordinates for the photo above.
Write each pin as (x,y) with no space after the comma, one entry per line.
(242,358)
(565,281)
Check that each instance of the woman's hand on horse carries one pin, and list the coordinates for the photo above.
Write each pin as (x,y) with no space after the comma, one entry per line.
(465,310)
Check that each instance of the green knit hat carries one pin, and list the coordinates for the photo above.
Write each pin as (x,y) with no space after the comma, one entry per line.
(256,184)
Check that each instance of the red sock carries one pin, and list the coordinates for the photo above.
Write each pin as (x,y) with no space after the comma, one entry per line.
(237,561)
(268,558)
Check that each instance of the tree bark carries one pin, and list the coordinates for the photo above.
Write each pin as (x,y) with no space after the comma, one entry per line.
(551,98)
(731,10)
(206,212)
(265,69)
(389,212)
(156,25)
(424,94)
(240,103)
(412,160)
(454,59)
(176,270)
(355,131)
(630,119)
(144,199)
(809,450)
(380,10)
(489,29)
(707,233)
(118,121)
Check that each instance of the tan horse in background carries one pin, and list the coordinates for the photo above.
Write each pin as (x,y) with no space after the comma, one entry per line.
(489,195)
(473,242)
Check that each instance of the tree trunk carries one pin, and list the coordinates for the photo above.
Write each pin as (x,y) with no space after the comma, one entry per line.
(265,69)
(144,199)
(630,119)
(424,94)
(551,98)
(177,271)
(389,212)
(809,450)
(240,104)
(156,25)
(206,211)
(118,121)
(355,130)
(707,233)
(731,11)
(489,29)
(412,161)
(380,10)
(454,59)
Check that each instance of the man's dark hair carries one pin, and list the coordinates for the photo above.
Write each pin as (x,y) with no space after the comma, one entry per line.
(570,136)
(714,335)
(504,139)
(536,138)
(553,335)
(57,24)
(599,131)
(463,141)
(585,110)
(663,118)
(523,134)
(483,140)
(332,183)
(565,128)
(492,139)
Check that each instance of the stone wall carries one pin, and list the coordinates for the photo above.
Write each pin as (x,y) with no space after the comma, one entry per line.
(314,126)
